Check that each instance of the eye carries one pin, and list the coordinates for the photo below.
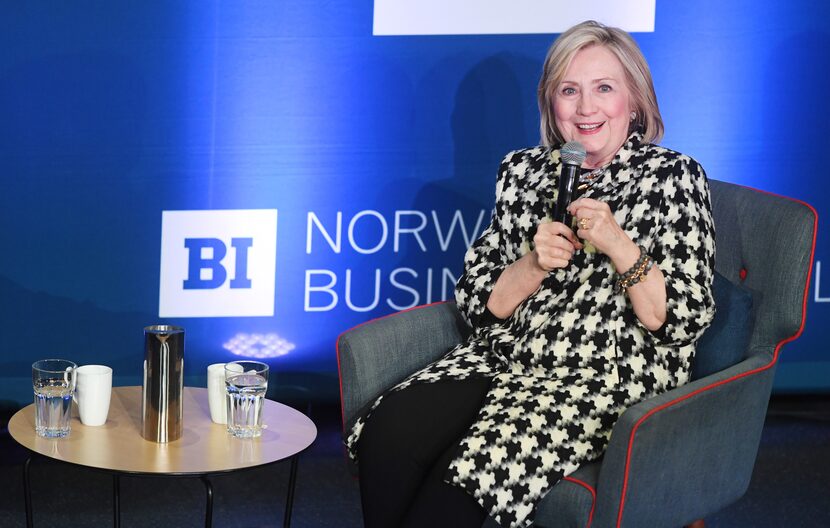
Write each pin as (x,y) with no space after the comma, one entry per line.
(568,90)
(605,88)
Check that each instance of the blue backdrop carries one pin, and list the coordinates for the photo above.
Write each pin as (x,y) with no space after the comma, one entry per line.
(113,112)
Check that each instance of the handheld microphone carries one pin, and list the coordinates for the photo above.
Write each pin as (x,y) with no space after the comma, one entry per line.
(572,155)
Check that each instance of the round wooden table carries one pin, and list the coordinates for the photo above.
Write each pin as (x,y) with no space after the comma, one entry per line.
(204,449)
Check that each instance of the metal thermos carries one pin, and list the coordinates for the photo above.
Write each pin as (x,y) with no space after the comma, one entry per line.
(161,392)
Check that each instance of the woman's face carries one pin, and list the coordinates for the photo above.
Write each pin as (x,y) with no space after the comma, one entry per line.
(592,104)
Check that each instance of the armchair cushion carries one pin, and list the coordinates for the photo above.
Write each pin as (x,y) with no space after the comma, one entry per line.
(570,503)
(725,342)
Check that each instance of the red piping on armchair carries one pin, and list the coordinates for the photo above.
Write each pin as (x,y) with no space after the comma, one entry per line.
(734,378)
(593,497)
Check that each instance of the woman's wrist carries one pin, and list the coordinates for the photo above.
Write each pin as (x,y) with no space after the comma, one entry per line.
(532,269)
(518,281)
(626,256)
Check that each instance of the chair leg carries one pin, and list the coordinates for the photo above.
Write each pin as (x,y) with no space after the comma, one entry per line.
(697,524)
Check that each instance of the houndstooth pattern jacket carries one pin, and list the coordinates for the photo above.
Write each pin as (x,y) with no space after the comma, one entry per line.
(573,355)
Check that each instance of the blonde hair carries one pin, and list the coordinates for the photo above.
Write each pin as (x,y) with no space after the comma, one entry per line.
(637,73)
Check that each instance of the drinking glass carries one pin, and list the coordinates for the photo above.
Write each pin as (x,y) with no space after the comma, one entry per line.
(53,381)
(245,383)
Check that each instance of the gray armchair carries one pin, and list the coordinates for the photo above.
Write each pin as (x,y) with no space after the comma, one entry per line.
(673,458)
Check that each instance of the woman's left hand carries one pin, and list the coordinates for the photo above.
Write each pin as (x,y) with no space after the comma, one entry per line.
(596,224)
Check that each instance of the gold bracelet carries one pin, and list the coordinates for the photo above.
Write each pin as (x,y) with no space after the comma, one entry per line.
(636,273)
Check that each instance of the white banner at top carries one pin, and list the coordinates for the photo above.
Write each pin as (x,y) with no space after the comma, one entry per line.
(481,17)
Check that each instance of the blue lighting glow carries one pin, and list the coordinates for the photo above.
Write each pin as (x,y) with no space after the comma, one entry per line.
(388,145)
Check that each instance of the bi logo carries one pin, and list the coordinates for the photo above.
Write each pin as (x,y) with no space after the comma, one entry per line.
(218,263)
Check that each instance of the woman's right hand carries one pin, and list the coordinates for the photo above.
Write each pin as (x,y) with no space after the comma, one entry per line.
(555,244)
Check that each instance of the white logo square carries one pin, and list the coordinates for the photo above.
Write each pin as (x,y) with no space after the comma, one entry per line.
(218,263)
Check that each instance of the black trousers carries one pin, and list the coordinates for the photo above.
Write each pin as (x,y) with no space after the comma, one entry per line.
(405,449)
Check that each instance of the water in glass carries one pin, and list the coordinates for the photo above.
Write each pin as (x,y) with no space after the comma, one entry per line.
(246,392)
(53,403)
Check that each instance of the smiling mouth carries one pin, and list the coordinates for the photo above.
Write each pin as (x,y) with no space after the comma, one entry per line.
(589,128)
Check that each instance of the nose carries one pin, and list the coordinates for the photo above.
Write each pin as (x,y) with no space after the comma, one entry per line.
(586,105)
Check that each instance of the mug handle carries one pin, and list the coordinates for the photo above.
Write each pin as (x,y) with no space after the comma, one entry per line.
(73,383)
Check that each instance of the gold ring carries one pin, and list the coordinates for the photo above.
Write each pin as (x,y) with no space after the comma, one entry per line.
(583,223)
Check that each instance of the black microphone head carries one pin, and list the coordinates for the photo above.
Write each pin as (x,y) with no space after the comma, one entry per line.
(572,153)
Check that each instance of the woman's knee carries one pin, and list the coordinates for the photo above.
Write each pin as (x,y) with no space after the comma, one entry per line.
(421,420)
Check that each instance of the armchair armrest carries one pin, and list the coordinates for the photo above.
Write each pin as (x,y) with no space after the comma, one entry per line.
(377,355)
(696,443)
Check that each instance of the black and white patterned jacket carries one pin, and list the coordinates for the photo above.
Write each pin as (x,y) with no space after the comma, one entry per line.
(573,355)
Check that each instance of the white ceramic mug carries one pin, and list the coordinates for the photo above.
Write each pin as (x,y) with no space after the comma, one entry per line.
(93,388)
(216,393)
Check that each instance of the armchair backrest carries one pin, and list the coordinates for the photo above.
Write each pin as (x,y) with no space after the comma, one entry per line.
(757,234)
(379,354)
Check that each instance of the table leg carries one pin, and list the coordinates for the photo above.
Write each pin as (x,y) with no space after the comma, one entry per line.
(27,492)
(209,502)
(289,500)
(116,500)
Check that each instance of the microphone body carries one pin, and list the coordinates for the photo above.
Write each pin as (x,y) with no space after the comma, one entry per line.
(568,180)
(572,155)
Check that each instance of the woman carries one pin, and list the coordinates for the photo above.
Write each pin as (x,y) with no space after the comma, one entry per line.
(571,324)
